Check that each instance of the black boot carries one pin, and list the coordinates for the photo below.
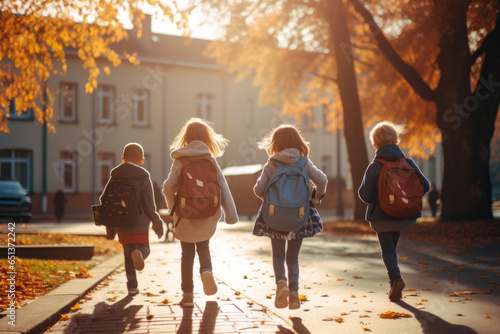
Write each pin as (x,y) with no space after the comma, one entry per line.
(397,286)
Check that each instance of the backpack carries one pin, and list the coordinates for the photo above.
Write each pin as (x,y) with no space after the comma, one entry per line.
(198,190)
(286,199)
(400,189)
(121,203)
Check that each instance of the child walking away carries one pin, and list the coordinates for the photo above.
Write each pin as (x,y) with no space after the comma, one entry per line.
(127,208)
(392,187)
(195,191)
(288,213)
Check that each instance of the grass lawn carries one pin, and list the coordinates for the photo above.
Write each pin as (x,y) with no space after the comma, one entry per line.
(37,276)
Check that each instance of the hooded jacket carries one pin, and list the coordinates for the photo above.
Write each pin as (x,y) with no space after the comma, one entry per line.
(147,212)
(197,230)
(368,192)
(290,156)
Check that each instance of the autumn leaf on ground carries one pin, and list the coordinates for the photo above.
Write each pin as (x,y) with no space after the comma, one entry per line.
(302,298)
(340,279)
(237,293)
(460,315)
(165,301)
(250,303)
(487,315)
(411,289)
(339,320)
(366,329)
(64,316)
(357,277)
(149,317)
(343,313)
(328,319)
(394,315)
(76,307)
(245,277)
(324,296)
(269,297)
(345,300)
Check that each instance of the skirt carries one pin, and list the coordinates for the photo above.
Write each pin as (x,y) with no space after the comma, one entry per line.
(313,226)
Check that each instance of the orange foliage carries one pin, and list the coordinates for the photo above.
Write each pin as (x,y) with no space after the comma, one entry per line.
(35,37)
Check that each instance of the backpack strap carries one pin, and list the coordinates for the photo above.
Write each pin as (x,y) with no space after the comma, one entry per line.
(279,163)
(302,162)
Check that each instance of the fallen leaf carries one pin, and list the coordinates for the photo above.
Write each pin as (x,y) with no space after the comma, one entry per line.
(326,319)
(250,303)
(339,320)
(302,298)
(366,329)
(345,300)
(357,277)
(64,316)
(392,314)
(76,307)
(151,316)
(237,293)
(340,279)
(165,301)
(324,296)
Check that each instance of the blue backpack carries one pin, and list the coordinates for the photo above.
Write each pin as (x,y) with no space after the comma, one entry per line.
(286,199)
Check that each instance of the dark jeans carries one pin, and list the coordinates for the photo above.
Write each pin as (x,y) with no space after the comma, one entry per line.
(388,243)
(291,256)
(187,261)
(129,264)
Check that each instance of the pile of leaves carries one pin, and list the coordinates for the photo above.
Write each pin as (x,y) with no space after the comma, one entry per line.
(101,244)
(457,234)
(35,277)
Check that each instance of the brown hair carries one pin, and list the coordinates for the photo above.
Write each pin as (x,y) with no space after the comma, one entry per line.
(385,133)
(283,137)
(199,129)
(133,152)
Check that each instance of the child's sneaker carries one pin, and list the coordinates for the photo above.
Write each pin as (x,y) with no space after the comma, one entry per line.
(396,287)
(294,301)
(137,259)
(282,293)
(209,286)
(133,291)
(187,300)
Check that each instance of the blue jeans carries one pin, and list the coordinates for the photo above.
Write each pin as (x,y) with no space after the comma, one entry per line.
(129,264)
(388,243)
(187,262)
(291,256)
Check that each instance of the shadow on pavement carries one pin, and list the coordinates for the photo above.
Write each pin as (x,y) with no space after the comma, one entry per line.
(298,326)
(117,316)
(186,325)
(209,319)
(432,324)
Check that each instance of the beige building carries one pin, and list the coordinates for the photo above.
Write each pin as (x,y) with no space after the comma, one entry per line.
(148,104)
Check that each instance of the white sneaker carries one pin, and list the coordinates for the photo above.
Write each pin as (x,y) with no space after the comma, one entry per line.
(137,260)
(282,293)
(209,285)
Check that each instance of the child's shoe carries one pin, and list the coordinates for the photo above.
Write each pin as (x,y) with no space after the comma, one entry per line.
(187,300)
(282,293)
(209,286)
(133,291)
(397,287)
(294,301)
(137,259)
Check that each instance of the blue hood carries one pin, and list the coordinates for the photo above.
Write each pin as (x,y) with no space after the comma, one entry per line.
(390,152)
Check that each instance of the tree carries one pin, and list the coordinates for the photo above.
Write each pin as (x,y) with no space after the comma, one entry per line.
(465,95)
(35,35)
(279,44)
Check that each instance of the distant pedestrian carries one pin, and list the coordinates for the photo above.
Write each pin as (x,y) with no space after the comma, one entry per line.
(195,191)
(134,238)
(287,149)
(385,138)
(434,200)
(60,201)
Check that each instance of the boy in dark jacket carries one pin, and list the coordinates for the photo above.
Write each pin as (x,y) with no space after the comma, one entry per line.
(134,238)
(385,138)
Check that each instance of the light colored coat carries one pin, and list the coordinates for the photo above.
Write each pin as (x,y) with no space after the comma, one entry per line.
(290,156)
(197,230)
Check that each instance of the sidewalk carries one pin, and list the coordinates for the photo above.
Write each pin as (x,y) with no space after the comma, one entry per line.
(343,279)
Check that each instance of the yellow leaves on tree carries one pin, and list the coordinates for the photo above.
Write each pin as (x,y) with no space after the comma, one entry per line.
(36,38)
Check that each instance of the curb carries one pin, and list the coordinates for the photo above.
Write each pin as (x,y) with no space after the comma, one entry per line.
(46,310)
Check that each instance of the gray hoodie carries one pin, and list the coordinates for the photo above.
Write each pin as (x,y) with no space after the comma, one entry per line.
(142,180)
(197,230)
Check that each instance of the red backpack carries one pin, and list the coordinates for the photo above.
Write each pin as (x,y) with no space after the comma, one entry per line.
(400,189)
(198,191)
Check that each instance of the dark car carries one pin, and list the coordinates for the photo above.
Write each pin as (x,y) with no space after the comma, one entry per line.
(14,201)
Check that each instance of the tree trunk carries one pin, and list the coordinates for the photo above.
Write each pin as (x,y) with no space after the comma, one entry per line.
(353,125)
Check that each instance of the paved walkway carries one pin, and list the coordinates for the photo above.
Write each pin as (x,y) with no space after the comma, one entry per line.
(343,280)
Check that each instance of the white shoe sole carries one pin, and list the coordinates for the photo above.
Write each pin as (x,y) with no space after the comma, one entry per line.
(209,285)
(282,295)
(137,260)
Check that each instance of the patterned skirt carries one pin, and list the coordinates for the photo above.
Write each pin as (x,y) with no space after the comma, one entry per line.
(313,226)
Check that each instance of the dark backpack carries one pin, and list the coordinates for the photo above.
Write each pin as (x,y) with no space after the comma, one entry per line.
(121,203)
(400,189)
(286,199)
(198,189)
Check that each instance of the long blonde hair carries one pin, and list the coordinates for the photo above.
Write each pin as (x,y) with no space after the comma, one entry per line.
(199,129)
(283,137)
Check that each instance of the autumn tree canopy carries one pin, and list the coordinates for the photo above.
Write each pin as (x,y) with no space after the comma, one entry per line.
(34,36)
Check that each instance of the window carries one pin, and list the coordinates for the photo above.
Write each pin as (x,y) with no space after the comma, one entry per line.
(141,107)
(105,97)
(326,165)
(13,113)
(67,163)
(16,165)
(249,113)
(67,102)
(306,122)
(105,163)
(204,107)
(325,111)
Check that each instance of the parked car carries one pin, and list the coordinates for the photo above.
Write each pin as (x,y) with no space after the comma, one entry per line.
(14,201)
